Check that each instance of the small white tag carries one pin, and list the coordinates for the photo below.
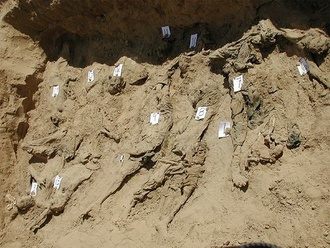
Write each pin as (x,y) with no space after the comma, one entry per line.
(193,41)
(56,91)
(90,76)
(201,113)
(34,188)
(117,71)
(301,70)
(222,129)
(57,182)
(154,118)
(303,67)
(304,64)
(166,31)
(122,158)
(238,82)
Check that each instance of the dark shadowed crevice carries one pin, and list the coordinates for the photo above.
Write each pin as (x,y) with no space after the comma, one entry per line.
(87,32)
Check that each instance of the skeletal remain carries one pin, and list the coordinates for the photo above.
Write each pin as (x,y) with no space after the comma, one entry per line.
(52,200)
(44,146)
(241,54)
(143,150)
(11,201)
(246,105)
(36,176)
(319,75)
(185,182)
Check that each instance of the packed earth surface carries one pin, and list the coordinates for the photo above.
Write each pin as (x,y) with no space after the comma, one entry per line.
(81,82)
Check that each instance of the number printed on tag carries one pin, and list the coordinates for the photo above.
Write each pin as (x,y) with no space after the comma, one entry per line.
(34,188)
(238,82)
(224,129)
(118,70)
(154,118)
(166,31)
(201,113)
(56,91)
(122,157)
(57,182)
(90,76)
(193,41)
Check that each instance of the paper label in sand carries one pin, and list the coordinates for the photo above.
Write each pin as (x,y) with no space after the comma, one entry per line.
(56,91)
(201,113)
(57,182)
(238,82)
(303,62)
(301,70)
(90,76)
(154,118)
(34,188)
(222,129)
(166,31)
(122,158)
(193,41)
(303,67)
(117,71)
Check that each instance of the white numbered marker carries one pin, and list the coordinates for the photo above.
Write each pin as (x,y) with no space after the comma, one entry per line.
(34,188)
(118,70)
(166,31)
(303,62)
(224,129)
(238,82)
(90,76)
(57,182)
(303,67)
(193,41)
(154,118)
(301,70)
(122,158)
(201,113)
(56,91)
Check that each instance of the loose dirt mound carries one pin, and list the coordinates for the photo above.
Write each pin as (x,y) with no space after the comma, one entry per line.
(126,182)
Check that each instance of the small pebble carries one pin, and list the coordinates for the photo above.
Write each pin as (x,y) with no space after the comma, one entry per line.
(226,243)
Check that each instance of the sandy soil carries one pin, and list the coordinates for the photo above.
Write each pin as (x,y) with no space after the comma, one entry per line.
(128,183)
